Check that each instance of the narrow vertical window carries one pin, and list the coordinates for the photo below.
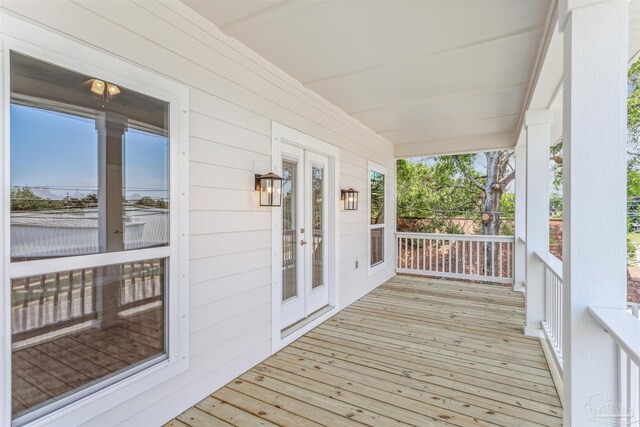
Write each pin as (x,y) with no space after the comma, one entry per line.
(377,216)
(89,177)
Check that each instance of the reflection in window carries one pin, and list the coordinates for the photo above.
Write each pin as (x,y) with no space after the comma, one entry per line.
(146,189)
(377,198)
(377,246)
(377,223)
(289,227)
(99,321)
(317,218)
(89,173)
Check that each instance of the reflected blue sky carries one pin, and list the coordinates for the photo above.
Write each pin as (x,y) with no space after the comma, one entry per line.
(60,151)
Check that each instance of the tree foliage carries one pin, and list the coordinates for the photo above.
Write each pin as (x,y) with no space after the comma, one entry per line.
(633,109)
(449,188)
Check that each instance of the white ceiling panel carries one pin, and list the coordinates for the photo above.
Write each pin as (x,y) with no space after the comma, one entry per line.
(446,108)
(460,129)
(498,64)
(415,70)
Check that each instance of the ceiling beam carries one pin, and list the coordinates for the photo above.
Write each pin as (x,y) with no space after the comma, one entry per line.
(442,147)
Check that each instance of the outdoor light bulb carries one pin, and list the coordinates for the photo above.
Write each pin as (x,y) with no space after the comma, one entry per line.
(112,89)
(269,189)
(97,86)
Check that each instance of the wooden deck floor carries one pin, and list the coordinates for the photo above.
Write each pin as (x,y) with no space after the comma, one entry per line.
(414,352)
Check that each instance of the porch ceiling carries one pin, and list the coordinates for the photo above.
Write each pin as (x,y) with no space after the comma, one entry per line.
(415,72)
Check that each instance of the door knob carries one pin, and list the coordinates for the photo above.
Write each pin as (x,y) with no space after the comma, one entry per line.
(303,242)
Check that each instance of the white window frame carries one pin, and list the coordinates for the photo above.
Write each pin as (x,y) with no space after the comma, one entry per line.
(375,167)
(28,39)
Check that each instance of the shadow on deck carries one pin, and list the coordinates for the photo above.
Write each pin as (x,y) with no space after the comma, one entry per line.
(414,351)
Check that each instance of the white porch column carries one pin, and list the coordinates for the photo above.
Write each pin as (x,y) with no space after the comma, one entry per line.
(111,129)
(520,251)
(594,250)
(538,128)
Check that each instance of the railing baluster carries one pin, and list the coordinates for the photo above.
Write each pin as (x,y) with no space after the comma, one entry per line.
(464,257)
(56,297)
(70,296)
(83,281)
(500,259)
(43,285)
(411,246)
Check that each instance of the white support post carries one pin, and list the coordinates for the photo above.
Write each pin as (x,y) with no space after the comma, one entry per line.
(520,250)
(594,184)
(111,129)
(538,129)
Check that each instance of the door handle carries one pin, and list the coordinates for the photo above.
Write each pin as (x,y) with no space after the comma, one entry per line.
(303,242)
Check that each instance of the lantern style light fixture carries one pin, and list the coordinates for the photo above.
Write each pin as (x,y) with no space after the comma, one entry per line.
(350,199)
(270,187)
(98,87)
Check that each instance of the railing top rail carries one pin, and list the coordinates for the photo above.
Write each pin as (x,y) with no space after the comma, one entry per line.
(623,328)
(552,263)
(474,237)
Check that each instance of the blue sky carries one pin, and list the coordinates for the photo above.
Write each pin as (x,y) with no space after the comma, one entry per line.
(50,149)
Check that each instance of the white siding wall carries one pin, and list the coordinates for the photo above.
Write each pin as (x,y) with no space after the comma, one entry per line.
(234,95)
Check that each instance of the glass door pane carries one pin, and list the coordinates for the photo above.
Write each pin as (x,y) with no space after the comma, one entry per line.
(289,229)
(317,219)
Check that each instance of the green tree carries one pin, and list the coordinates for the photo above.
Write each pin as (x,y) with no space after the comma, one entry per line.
(449,187)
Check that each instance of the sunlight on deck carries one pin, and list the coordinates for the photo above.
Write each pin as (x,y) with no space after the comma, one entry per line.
(414,352)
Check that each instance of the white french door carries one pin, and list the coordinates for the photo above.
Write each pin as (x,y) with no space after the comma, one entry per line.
(305,270)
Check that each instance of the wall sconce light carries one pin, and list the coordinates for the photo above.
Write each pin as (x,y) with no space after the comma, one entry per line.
(270,187)
(350,199)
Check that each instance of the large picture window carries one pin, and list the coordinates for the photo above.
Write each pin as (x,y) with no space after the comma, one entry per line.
(377,224)
(90,243)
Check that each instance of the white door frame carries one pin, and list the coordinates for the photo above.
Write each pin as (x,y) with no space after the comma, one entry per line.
(281,133)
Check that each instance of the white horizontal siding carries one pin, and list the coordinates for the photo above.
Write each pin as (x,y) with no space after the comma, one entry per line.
(214,313)
(234,96)
(210,291)
(211,245)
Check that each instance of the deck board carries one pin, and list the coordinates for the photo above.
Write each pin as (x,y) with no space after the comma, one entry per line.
(414,352)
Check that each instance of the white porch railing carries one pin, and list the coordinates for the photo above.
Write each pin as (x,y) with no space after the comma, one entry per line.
(552,324)
(457,256)
(624,329)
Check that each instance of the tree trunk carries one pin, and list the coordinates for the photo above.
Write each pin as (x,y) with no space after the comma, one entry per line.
(496,167)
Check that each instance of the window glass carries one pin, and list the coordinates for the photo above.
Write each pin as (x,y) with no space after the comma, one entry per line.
(89,173)
(289,229)
(377,197)
(146,189)
(317,220)
(377,246)
(72,328)
(377,224)
(89,170)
